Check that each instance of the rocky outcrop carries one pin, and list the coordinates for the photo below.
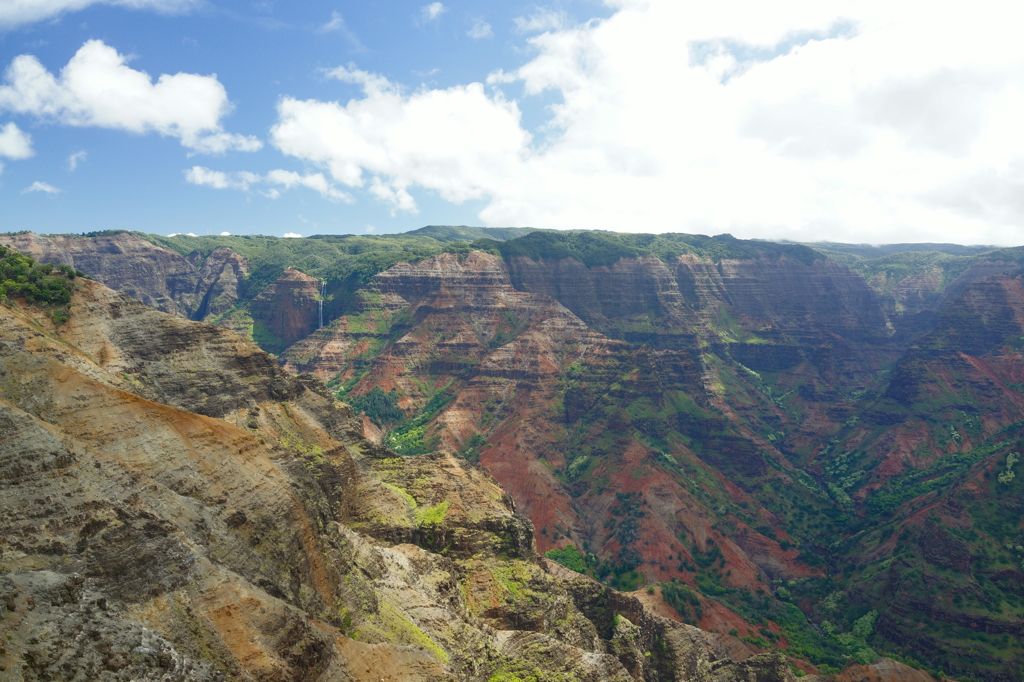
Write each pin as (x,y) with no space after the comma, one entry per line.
(286,311)
(194,287)
(220,277)
(140,539)
(158,277)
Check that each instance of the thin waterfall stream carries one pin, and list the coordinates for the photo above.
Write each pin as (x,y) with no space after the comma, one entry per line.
(323,288)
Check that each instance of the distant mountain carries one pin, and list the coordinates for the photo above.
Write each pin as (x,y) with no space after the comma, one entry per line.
(451,233)
(879,250)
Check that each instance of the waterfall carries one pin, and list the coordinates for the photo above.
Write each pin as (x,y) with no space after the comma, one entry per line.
(323,287)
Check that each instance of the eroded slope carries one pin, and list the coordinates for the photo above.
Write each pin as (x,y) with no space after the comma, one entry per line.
(266,539)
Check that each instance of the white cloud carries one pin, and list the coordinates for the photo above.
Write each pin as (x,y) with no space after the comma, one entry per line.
(19,12)
(858,121)
(14,142)
(75,159)
(432,11)
(543,19)
(314,181)
(39,186)
(291,235)
(97,88)
(199,175)
(460,142)
(480,30)
(225,234)
(243,180)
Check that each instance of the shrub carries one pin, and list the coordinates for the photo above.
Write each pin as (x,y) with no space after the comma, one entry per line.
(379,406)
(39,283)
(570,557)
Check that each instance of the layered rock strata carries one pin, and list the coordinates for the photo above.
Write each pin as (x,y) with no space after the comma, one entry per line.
(142,539)
(526,386)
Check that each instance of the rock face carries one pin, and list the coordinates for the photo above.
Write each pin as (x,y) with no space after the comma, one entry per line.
(175,506)
(782,296)
(767,441)
(220,276)
(158,277)
(523,385)
(194,288)
(286,311)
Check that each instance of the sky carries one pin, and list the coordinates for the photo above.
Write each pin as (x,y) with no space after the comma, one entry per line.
(864,122)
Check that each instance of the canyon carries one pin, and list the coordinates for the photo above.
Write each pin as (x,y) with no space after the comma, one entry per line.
(797,450)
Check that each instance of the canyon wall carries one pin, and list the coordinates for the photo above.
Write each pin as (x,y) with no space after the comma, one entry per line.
(757,440)
(175,506)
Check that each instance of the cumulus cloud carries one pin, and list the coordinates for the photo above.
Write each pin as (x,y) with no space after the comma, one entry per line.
(14,142)
(460,142)
(292,235)
(75,159)
(432,12)
(39,186)
(244,180)
(480,30)
(862,121)
(19,12)
(97,88)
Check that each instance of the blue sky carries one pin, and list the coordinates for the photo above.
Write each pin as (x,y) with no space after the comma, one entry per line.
(853,121)
(259,51)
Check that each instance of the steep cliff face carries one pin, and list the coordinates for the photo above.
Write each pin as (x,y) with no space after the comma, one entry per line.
(457,332)
(140,539)
(220,277)
(930,463)
(518,382)
(811,330)
(157,277)
(193,288)
(286,311)
(953,390)
(779,296)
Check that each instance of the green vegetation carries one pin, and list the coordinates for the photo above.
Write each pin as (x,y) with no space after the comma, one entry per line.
(412,438)
(570,557)
(345,261)
(595,248)
(432,516)
(918,482)
(379,406)
(42,283)
(685,601)
(1009,475)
